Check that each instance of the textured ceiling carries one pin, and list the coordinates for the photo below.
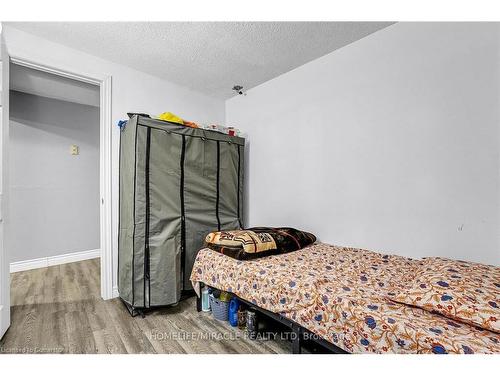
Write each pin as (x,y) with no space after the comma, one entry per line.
(209,57)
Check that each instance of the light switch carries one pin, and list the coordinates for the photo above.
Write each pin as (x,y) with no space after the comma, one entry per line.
(74,150)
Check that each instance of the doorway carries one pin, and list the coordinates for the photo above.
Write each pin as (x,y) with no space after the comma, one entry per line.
(57,85)
(37,88)
(54,169)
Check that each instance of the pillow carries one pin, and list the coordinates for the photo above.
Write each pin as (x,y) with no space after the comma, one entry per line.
(258,242)
(464,291)
(247,240)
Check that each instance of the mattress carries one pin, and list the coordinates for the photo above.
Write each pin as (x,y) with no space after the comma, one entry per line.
(340,294)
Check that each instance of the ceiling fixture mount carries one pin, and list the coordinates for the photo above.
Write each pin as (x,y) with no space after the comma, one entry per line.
(238,89)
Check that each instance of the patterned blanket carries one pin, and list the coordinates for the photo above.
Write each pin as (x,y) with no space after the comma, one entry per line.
(258,242)
(340,294)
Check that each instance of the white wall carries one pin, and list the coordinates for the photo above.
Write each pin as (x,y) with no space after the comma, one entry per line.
(49,85)
(133,91)
(390,143)
(54,197)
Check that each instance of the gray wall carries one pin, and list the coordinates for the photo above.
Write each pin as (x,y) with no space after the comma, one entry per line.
(54,195)
(390,143)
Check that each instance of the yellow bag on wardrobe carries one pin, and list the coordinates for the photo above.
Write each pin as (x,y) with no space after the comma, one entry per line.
(169,116)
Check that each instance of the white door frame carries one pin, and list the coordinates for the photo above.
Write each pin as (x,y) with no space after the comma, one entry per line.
(4,191)
(105,170)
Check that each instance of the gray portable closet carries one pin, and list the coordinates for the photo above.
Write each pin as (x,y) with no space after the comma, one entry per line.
(176,185)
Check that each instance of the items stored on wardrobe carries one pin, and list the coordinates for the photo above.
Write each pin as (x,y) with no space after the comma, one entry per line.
(170,117)
(177,184)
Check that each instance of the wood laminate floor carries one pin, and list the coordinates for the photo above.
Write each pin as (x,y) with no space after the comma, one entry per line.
(58,309)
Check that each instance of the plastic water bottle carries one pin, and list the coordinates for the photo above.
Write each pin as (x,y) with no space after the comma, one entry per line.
(252,324)
(205,304)
(233,311)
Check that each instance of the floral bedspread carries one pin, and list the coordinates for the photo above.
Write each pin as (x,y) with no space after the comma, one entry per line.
(340,294)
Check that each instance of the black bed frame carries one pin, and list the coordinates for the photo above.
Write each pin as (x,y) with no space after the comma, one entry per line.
(299,331)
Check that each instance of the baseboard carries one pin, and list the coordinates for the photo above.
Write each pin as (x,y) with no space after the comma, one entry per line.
(115,292)
(32,264)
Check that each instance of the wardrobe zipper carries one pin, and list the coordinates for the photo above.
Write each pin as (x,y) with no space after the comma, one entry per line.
(218,187)
(147,265)
(183,213)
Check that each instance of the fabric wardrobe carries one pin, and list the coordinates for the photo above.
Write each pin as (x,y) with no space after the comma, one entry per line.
(177,184)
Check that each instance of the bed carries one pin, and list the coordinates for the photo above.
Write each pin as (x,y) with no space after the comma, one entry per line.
(341,295)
